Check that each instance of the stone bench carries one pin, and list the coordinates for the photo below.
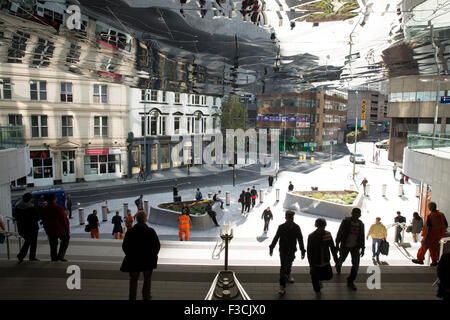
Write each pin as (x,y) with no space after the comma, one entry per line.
(169,218)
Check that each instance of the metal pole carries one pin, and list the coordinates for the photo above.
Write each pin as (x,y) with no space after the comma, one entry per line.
(418,117)
(226,252)
(354,152)
(436,111)
(145,136)
(234,175)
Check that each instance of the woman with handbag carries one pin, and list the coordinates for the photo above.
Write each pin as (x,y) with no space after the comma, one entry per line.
(417,226)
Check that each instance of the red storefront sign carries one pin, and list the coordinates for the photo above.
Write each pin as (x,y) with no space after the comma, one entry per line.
(40,154)
(95,152)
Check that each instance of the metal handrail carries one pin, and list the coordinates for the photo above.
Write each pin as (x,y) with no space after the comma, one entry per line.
(8,233)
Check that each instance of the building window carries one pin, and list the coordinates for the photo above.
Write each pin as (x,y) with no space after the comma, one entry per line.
(15,119)
(189,125)
(176,125)
(177,97)
(101,126)
(5,89)
(162,125)
(100,93)
(43,53)
(203,125)
(67,126)
(39,126)
(153,95)
(102,164)
(203,100)
(112,36)
(38,90)
(163,96)
(66,92)
(42,164)
(18,46)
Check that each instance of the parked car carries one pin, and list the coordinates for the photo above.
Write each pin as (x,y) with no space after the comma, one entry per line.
(384,144)
(357,158)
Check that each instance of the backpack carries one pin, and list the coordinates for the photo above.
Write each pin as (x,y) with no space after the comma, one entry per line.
(137,202)
(215,197)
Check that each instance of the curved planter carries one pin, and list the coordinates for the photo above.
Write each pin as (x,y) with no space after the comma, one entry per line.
(168,217)
(321,207)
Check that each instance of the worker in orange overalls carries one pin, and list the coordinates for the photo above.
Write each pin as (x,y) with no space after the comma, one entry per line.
(129,220)
(435,228)
(184,223)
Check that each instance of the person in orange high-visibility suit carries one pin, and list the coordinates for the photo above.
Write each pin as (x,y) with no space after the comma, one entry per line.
(435,228)
(129,220)
(184,223)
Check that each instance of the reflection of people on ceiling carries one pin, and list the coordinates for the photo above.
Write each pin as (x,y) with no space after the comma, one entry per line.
(251,9)
(182,3)
(224,7)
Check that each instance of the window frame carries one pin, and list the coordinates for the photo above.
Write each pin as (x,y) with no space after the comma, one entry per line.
(68,95)
(100,95)
(68,126)
(3,89)
(101,126)
(41,95)
(39,126)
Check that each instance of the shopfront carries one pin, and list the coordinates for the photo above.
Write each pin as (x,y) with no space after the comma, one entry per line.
(102,164)
(42,173)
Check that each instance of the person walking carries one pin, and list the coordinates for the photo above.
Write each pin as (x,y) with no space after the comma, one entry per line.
(254,194)
(417,226)
(248,200)
(435,228)
(270,181)
(364,184)
(141,247)
(69,205)
(217,198)
(27,218)
(320,243)
(94,225)
(129,220)
(56,225)
(139,202)
(184,223)
(289,234)
(267,216)
(211,213)
(350,239)
(398,229)
(394,168)
(291,186)
(198,195)
(402,183)
(117,229)
(242,201)
(378,233)
(175,192)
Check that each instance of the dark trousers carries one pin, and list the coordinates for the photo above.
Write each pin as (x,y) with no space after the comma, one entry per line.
(376,243)
(398,234)
(53,240)
(70,213)
(286,259)
(243,206)
(343,253)
(247,206)
(146,288)
(212,214)
(253,202)
(30,243)
(318,274)
(266,225)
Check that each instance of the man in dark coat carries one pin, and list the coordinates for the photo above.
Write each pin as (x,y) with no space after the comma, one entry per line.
(248,200)
(211,213)
(242,200)
(270,181)
(289,234)
(254,193)
(141,247)
(320,243)
(350,239)
(69,205)
(27,218)
(56,226)
(267,216)
(291,186)
(117,222)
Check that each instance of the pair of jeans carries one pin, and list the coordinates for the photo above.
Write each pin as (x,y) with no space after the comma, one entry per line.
(243,206)
(53,241)
(247,206)
(376,243)
(343,253)
(286,260)
(30,243)
(266,225)
(146,288)
(398,235)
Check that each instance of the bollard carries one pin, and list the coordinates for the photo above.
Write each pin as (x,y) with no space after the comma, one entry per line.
(384,190)
(227,198)
(418,190)
(104,213)
(81,215)
(261,196)
(209,195)
(146,206)
(278,194)
(125,210)
(367,190)
(312,159)
(400,190)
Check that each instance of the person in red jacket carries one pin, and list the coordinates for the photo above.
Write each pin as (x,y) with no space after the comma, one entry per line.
(56,226)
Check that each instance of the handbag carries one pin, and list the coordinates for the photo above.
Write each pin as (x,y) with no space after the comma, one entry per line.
(384,248)
(87,228)
(408,229)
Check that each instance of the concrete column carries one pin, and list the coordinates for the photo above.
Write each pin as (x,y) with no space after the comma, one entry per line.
(81,215)
(227,198)
(125,209)
(104,213)
(261,196)
(277,191)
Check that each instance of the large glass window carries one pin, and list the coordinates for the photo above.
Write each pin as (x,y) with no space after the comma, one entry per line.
(39,126)
(38,90)
(101,126)
(42,164)
(5,88)
(67,126)
(66,92)
(165,156)
(100,93)
(15,119)
(102,164)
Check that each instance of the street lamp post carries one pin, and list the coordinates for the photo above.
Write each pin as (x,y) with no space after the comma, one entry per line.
(145,135)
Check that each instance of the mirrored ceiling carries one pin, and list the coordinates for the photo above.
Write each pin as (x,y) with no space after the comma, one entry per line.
(225,46)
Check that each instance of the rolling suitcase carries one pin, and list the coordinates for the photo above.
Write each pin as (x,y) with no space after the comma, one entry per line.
(384,248)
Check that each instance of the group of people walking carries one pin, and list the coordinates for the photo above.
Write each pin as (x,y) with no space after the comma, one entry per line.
(247,199)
